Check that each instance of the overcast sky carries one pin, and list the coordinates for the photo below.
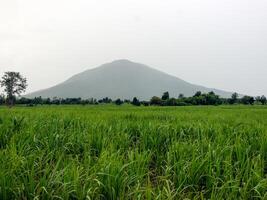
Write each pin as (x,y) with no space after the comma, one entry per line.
(214,43)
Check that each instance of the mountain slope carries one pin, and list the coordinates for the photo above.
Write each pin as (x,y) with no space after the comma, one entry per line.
(122,79)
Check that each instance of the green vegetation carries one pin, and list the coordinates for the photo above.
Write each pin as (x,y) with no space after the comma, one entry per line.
(198,99)
(129,152)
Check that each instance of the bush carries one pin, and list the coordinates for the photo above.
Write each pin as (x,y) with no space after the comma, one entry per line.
(171,102)
(248,100)
(182,104)
(118,102)
(155,101)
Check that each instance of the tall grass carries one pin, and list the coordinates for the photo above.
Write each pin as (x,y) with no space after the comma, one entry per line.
(108,152)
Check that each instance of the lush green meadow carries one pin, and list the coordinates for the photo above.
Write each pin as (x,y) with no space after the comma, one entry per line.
(127,152)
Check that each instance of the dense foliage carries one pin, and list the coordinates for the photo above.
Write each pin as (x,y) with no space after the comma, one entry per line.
(198,99)
(128,152)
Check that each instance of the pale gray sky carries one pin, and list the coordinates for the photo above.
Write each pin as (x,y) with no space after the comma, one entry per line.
(215,43)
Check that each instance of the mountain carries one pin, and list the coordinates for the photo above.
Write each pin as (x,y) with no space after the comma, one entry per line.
(123,79)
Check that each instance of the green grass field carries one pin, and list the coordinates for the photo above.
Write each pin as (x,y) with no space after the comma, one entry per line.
(126,152)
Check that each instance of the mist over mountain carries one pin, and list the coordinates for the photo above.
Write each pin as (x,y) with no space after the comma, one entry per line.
(122,79)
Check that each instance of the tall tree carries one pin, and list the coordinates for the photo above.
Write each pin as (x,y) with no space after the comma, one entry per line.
(14,84)
(263,100)
(165,96)
(2,99)
(234,98)
(136,102)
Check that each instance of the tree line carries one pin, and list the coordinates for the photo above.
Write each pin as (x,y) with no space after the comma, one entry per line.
(198,98)
(14,84)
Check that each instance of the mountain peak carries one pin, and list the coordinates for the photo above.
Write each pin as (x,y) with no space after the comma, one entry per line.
(122,64)
(122,61)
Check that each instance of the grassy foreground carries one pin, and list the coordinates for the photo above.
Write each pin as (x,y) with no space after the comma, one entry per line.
(112,152)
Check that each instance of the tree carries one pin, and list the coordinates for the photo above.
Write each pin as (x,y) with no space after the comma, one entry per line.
(118,102)
(247,100)
(47,101)
(2,99)
(258,99)
(37,100)
(171,102)
(181,96)
(136,102)
(145,103)
(56,101)
(127,101)
(155,101)
(211,93)
(165,96)
(197,94)
(251,100)
(212,99)
(14,84)
(263,100)
(234,98)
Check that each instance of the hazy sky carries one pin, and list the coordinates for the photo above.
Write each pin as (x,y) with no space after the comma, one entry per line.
(215,43)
